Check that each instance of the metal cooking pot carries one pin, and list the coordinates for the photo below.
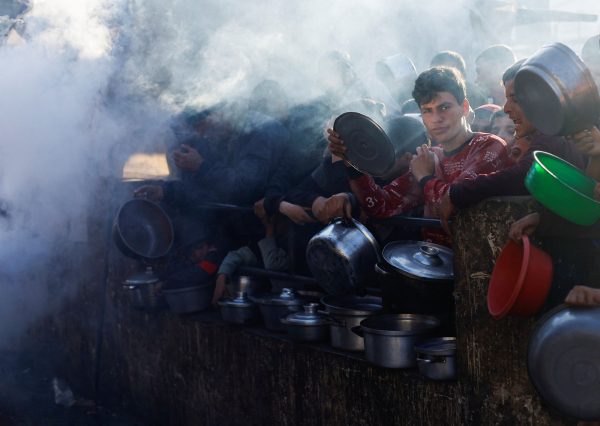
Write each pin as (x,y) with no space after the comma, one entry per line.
(239,309)
(557,92)
(274,307)
(142,229)
(436,358)
(390,339)
(342,255)
(144,290)
(417,277)
(307,326)
(346,312)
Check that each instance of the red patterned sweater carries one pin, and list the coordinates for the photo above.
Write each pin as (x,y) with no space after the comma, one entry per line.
(482,154)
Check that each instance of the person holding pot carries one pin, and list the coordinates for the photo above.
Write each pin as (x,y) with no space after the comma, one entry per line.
(509,181)
(459,154)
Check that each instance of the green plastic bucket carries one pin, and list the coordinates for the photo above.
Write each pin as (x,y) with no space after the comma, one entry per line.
(563,188)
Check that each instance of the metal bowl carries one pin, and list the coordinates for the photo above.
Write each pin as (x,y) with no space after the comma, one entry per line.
(142,229)
(564,361)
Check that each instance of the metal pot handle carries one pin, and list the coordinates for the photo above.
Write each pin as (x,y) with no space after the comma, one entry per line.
(381,270)
(441,360)
(358,331)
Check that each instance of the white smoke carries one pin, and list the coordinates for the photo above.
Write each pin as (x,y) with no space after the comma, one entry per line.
(88,83)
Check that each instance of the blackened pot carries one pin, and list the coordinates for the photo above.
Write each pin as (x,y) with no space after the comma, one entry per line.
(417,277)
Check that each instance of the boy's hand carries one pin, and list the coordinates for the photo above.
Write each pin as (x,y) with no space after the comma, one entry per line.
(423,164)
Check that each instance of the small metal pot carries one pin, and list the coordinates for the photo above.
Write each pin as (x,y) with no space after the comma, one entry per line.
(307,326)
(239,309)
(274,307)
(341,256)
(144,290)
(346,312)
(436,358)
(390,339)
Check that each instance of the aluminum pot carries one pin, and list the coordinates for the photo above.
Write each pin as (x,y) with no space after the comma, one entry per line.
(347,311)
(308,325)
(557,92)
(341,256)
(144,290)
(142,230)
(390,339)
(436,358)
(274,307)
(239,309)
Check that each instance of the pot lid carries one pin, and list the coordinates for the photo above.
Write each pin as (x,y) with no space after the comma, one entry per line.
(369,149)
(239,301)
(563,360)
(142,278)
(399,324)
(287,297)
(308,317)
(349,304)
(420,259)
(441,346)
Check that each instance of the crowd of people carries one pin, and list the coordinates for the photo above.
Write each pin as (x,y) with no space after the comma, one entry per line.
(456,142)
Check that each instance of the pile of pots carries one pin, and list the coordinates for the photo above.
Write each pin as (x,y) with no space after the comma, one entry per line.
(351,323)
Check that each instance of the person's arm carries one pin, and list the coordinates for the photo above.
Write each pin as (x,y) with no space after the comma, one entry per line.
(588,143)
(235,259)
(232,261)
(487,157)
(274,258)
(509,181)
(399,196)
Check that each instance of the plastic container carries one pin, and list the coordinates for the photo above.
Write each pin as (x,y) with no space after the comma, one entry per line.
(563,188)
(520,281)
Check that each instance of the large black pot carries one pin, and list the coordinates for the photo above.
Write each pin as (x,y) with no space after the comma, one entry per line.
(417,277)
(142,229)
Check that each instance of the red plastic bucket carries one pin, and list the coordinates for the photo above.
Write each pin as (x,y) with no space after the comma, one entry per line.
(520,281)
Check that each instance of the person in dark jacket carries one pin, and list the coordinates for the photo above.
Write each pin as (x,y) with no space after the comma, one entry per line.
(239,176)
(509,181)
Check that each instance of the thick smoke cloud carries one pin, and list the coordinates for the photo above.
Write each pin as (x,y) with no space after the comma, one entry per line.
(86,84)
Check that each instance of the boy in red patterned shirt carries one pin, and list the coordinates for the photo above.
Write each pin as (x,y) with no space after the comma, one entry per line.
(457,154)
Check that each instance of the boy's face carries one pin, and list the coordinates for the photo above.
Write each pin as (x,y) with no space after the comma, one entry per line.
(444,117)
